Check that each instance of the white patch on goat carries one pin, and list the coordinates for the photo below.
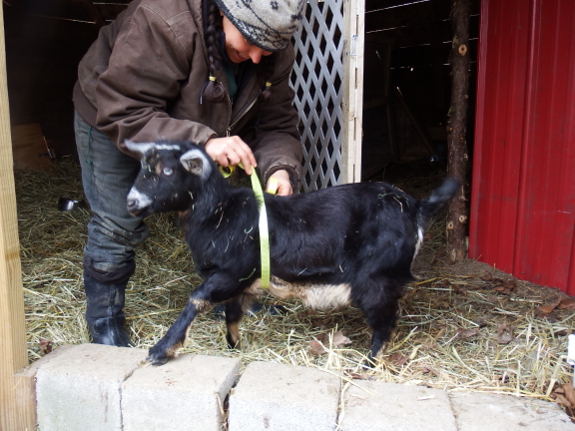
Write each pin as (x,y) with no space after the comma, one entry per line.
(418,244)
(142,200)
(143,147)
(316,296)
(419,241)
(139,148)
(169,147)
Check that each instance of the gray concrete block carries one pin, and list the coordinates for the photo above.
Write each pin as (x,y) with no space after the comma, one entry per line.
(276,397)
(496,412)
(381,406)
(80,391)
(187,393)
(25,389)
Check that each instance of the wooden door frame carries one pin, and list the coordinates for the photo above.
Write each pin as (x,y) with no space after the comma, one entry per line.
(12,320)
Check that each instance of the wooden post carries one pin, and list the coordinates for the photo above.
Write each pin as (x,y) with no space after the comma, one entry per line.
(12,323)
(456,129)
(352,103)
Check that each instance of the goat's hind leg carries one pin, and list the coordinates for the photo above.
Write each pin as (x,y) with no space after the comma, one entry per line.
(168,346)
(381,309)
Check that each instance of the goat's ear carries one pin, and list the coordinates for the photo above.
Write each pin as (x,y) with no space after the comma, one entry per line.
(139,148)
(196,162)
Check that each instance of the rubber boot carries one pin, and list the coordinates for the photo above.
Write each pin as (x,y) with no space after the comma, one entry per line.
(104,313)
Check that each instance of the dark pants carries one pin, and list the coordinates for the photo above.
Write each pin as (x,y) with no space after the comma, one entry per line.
(107,176)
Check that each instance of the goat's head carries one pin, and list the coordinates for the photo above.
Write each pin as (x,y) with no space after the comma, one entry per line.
(169,175)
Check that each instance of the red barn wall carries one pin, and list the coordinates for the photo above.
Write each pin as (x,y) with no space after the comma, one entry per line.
(523,191)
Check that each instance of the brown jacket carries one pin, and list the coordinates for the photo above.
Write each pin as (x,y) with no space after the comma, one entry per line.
(142,80)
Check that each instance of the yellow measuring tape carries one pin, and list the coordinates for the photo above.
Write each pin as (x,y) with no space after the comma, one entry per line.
(263,221)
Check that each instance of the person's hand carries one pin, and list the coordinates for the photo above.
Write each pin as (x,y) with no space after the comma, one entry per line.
(230,151)
(284,187)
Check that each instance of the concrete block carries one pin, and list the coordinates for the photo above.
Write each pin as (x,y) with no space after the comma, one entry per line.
(495,412)
(187,393)
(80,391)
(278,397)
(25,389)
(381,406)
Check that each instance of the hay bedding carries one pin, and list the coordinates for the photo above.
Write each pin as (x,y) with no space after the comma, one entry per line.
(462,327)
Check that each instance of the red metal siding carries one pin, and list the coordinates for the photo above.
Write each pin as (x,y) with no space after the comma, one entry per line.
(523,192)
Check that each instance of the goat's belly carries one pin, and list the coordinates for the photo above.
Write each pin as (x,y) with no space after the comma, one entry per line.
(317,296)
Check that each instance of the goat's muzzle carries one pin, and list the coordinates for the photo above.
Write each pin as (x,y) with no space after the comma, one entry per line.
(133,207)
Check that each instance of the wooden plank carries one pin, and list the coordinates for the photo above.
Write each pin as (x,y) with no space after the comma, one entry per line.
(12,323)
(25,396)
(29,148)
(352,103)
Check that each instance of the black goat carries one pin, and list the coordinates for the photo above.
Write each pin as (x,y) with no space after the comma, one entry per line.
(344,245)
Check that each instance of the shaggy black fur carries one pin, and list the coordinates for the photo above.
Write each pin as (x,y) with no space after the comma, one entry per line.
(362,235)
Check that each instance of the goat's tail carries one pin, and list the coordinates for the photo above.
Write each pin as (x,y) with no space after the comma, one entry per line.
(439,197)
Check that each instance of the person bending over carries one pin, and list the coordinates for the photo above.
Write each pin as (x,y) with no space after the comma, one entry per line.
(213,72)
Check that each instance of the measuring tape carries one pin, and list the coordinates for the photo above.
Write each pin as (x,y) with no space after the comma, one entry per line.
(263,220)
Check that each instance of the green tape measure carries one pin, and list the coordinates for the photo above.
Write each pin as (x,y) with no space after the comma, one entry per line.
(263,221)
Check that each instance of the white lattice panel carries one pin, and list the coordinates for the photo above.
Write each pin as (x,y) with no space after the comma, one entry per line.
(317,80)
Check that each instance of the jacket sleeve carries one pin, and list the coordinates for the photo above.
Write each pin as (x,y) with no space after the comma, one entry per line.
(151,57)
(277,144)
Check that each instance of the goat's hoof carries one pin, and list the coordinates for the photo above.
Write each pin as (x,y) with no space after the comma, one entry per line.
(156,361)
(157,358)
(369,363)
(235,347)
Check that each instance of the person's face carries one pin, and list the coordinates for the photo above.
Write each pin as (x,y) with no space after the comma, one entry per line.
(237,46)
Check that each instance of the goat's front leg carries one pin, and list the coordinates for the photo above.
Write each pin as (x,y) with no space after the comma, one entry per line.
(234,313)
(168,346)
(235,310)
(215,289)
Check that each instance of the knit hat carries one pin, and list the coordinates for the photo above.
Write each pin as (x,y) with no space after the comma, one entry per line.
(267,24)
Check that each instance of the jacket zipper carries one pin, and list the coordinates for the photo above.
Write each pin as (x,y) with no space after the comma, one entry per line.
(242,114)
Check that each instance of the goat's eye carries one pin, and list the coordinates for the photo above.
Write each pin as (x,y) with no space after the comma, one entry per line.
(168,171)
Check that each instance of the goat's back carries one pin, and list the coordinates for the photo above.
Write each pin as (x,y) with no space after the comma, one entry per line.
(341,231)
(368,226)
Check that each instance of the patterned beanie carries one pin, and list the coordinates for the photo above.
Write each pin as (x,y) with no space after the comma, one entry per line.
(267,24)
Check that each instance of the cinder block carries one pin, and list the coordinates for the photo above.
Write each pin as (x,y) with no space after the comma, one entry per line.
(381,406)
(274,397)
(25,389)
(187,393)
(80,390)
(495,412)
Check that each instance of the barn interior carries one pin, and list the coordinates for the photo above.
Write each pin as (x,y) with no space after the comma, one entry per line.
(407,82)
